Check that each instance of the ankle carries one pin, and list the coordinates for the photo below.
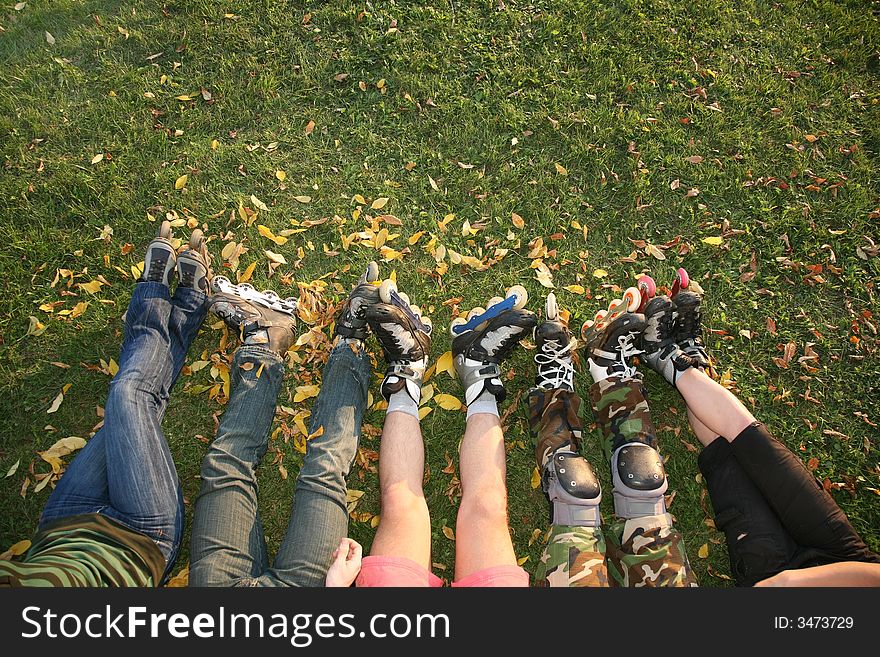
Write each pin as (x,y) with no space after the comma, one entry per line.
(402,402)
(484,403)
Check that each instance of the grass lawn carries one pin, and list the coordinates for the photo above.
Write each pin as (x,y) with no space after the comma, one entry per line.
(739,140)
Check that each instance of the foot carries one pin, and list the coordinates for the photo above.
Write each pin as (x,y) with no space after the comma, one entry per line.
(352,322)
(259,318)
(658,341)
(688,329)
(405,344)
(477,353)
(555,349)
(161,258)
(194,264)
(610,348)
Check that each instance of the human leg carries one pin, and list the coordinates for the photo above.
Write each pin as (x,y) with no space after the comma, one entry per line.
(775,513)
(483,544)
(319,517)
(644,549)
(126,471)
(401,551)
(228,545)
(575,552)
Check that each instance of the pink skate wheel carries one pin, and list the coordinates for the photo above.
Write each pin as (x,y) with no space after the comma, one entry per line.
(647,286)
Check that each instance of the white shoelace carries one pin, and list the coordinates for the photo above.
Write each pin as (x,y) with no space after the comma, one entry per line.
(554,365)
(627,350)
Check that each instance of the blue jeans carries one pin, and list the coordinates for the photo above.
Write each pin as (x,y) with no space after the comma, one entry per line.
(228,544)
(125,471)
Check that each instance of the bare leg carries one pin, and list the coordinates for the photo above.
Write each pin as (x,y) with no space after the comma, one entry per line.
(405,527)
(703,433)
(483,538)
(716,408)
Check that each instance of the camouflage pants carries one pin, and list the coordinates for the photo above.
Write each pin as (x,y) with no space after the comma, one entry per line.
(646,551)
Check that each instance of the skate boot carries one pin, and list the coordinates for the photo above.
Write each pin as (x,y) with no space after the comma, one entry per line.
(161,258)
(405,337)
(555,349)
(610,347)
(688,329)
(259,318)
(659,340)
(194,264)
(352,322)
(487,337)
(567,478)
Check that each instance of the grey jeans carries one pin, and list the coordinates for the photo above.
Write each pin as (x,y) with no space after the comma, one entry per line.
(228,545)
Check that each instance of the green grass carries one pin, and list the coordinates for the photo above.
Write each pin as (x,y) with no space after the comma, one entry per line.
(618,93)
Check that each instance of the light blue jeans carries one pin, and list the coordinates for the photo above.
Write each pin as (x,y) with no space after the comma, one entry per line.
(228,544)
(125,471)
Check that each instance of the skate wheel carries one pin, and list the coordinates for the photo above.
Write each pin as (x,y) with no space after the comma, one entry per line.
(647,287)
(585,329)
(416,310)
(522,297)
(600,316)
(682,277)
(196,239)
(388,286)
(474,312)
(246,287)
(165,230)
(456,321)
(404,297)
(271,296)
(428,323)
(491,302)
(293,302)
(632,298)
(372,272)
(551,307)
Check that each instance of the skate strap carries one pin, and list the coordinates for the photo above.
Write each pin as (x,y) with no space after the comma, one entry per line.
(610,355)
(403,370)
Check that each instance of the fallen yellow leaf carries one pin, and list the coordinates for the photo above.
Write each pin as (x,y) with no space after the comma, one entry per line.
(247,273)
(445,364)
(17,549)
(91,287)
(304,392)
(447,402)
(536,478)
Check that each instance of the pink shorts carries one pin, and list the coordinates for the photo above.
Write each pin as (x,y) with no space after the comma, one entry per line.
(400,571)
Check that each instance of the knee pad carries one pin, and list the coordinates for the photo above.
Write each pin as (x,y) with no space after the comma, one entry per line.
(639,481)
(573,490)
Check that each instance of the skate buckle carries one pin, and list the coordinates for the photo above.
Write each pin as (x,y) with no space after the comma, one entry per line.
(491,313)
(397,301)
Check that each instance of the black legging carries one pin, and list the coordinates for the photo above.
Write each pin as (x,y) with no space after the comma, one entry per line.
(774,513)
